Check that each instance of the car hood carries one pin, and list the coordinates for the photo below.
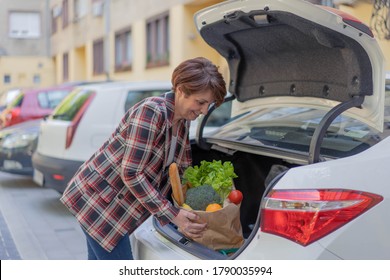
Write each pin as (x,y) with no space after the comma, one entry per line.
(291,52)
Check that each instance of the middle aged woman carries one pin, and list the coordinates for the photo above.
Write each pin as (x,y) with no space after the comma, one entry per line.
(126,180)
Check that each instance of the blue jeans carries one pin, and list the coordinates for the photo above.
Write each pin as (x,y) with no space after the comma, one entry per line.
(122,251)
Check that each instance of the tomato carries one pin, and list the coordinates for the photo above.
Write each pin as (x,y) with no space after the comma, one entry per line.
(235,196)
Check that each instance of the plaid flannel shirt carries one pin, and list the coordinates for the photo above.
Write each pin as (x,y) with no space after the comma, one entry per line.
(126,180)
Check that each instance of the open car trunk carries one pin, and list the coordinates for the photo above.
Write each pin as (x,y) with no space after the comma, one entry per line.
(254,172)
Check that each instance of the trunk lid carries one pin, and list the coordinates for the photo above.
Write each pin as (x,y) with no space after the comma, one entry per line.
(293,52)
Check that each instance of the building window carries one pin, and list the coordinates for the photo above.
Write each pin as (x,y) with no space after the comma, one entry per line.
(98,57)
(80,9)
(157,37)
(7,79)
(65,67)
(54,17)
(37,79)
(24,25)
(98,8)
(123,50)
(65,13)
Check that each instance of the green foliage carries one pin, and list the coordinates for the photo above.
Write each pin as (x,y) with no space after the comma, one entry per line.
(219,176)
(198,198)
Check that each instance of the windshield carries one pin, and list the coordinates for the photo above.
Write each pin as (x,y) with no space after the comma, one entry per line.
(71,105)
(292,129)
(51,98)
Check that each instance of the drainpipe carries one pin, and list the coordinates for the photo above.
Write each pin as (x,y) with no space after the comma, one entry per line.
(48,28)
(107,27)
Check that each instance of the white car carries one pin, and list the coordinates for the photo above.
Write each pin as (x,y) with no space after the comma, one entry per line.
(84,121)
(307,138)
(80,125)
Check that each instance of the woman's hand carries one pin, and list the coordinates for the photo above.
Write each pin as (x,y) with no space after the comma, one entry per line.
(189,224)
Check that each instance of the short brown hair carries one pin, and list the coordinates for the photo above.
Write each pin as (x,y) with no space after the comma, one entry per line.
(199,74)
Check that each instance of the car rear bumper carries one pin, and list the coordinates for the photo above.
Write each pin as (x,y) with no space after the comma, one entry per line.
(148,244)
(53,173)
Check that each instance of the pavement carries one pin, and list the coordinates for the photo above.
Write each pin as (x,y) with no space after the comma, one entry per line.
(34,225)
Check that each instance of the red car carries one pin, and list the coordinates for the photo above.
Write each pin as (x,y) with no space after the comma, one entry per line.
(33,104)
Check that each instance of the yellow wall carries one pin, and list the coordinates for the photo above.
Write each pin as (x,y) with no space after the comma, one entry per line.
(22,70)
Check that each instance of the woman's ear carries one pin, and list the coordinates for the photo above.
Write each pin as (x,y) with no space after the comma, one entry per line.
(178,91)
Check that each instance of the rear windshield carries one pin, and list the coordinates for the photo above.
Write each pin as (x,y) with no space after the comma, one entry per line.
(50,99)
(71,105)
(292,128)
(134,97)
(17,101)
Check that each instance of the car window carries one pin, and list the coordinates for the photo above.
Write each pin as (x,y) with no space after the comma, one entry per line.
(7,96)
(50,99)
(17,101)
(71,105)
(292,129)
(220,115)
(133,97)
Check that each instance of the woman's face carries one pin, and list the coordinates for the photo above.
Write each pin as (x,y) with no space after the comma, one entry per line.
(189,107)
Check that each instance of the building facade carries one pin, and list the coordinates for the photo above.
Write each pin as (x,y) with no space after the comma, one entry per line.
(124,39)
(24,44)
(44,42)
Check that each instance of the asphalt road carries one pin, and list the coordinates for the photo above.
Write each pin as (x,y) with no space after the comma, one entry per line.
(34,225)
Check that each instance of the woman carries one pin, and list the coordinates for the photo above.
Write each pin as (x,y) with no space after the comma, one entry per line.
(126,180)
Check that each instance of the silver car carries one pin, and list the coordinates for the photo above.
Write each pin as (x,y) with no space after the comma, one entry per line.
(307,136)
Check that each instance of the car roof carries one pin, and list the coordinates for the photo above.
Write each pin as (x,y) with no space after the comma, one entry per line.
(43,89)
(135,85)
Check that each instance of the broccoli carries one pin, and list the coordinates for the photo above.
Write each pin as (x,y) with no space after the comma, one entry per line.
(199,197)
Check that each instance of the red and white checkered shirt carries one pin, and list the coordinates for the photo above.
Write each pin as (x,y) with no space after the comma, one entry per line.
(126,180)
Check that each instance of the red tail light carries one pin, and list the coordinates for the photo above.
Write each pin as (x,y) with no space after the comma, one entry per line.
(13,117)
(71,130)
(305,216)
(58,177)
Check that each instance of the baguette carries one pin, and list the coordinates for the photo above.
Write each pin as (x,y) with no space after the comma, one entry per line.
(177,190)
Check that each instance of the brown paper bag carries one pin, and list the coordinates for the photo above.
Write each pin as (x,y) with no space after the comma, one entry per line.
(224,229)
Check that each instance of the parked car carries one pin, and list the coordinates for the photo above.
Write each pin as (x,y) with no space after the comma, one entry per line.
(33,104)
(17,144)
(307,137)
(83,121)
(80,124)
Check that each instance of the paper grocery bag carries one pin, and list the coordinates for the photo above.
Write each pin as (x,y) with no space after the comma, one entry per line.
(224,229)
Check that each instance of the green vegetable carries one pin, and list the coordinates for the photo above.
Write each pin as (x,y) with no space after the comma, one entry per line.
(198,198)
(219,176)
